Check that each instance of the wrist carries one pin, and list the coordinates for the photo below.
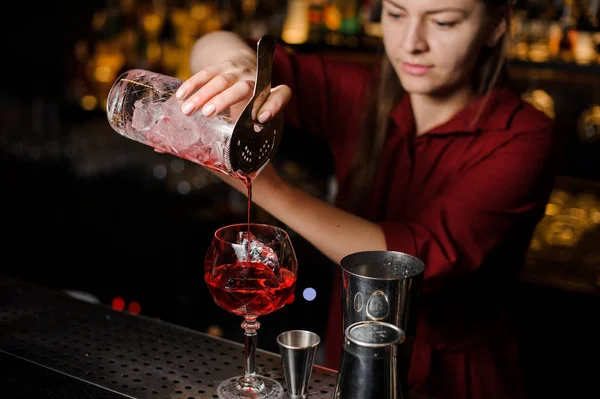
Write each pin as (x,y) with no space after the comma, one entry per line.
(269,187)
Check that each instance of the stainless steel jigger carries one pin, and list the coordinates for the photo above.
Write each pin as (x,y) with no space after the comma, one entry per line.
(298,348)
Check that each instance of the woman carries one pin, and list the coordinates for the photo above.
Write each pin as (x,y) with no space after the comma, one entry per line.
(439,160)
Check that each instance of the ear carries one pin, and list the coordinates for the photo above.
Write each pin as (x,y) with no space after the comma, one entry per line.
(497,33)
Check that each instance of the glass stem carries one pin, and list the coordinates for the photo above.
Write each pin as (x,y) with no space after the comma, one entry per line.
(250,327)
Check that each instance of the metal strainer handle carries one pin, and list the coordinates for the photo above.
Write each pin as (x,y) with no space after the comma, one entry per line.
(252,143)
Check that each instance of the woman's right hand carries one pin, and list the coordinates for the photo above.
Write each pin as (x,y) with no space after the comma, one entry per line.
(229,84)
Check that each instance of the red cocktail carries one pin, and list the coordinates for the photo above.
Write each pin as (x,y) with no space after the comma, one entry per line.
(250,275)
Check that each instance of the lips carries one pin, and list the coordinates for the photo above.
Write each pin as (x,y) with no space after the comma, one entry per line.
(416,69)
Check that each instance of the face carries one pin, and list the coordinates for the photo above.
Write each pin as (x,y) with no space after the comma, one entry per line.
(434,44)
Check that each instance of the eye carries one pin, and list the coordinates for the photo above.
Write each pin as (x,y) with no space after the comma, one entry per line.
(394,15)
(445,24)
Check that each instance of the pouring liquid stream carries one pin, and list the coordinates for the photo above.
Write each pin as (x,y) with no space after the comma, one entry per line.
(248,182)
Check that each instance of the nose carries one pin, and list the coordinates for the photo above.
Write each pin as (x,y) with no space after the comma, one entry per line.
(414,41)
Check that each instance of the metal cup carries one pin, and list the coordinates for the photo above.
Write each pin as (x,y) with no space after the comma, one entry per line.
(381,286)
(297,349)
(369,365)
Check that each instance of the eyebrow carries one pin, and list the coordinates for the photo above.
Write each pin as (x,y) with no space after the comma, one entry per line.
(436,11)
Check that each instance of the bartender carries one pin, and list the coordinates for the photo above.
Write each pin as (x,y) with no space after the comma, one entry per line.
(435,157)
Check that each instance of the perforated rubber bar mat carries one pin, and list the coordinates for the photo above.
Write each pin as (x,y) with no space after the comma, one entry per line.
(132,355)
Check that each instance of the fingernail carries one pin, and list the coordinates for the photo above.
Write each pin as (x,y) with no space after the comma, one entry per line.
(208,109)
(180,93)
(262,118)
(187,108)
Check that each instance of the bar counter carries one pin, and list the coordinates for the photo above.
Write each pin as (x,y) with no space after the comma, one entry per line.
(55,346)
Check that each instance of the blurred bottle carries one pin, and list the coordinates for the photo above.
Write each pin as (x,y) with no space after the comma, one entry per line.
(568,23)
(518,38)
(332,18)
(296,26)
(315,17)
(554,38)
(584,49)
(350,27)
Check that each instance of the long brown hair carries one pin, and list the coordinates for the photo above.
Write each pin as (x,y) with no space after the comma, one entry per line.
(387,91)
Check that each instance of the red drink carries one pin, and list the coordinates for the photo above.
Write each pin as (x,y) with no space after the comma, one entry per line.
(250,289)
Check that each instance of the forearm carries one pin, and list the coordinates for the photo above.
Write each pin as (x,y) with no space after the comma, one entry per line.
(334,232)
(215,47)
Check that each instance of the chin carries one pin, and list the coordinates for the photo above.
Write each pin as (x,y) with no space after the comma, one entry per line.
(424,85)
(419,85)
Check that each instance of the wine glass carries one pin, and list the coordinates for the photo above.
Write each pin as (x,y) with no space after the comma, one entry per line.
(250,278)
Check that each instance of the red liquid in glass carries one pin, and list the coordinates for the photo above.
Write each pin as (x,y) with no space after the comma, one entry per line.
(250,289)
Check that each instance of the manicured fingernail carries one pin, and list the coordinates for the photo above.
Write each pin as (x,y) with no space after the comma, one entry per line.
(208,109)
(180,93)
(262,118)
(187,108)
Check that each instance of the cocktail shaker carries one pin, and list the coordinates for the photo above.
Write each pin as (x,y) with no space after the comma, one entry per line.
(369,365)
(384,286)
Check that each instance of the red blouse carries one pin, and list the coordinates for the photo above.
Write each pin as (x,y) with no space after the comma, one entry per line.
(463,199)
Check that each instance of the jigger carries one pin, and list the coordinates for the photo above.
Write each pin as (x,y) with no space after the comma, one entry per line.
(298,348)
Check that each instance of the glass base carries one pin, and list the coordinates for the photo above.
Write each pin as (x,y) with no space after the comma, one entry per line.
(261,388)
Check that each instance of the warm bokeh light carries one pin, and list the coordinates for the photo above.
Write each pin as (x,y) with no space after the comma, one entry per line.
(541,100)
(89,102)
(215,331)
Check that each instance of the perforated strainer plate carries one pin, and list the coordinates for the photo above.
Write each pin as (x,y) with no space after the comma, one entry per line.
(132,355)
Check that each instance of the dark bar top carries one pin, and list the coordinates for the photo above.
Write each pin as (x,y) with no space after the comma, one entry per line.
(52,345)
